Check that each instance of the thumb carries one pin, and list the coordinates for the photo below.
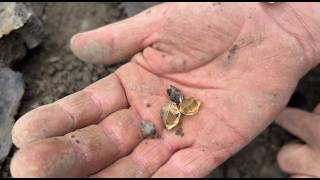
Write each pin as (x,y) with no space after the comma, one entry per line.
(118,41)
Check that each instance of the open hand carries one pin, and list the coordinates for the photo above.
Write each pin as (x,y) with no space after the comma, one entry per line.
(235,58)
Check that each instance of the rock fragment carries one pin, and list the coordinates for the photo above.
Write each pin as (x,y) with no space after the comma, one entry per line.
(20,30)
(148,130)
(11,91)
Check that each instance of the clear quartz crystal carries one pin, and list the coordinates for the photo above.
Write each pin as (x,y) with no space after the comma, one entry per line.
(170,115)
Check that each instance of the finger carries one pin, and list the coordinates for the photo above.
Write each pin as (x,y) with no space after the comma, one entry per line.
(300,123)
(295,158)
(191,162)
(317,109)
(72,112)
(82,152)
(146,158)
(115,42)
(301,176)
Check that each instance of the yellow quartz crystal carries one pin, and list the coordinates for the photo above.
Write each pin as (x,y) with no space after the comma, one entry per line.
(170,115)
(189,106)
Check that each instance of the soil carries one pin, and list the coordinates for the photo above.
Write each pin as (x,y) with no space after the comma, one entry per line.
(51,72)
(179,131)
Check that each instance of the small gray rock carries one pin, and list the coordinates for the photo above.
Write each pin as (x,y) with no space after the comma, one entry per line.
(133,8)
(11,91)
(148,130)
(12,49)
(20,29)
(175,94)
(13,16)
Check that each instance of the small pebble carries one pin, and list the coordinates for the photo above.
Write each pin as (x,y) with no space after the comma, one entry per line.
(148,130)
(175,94)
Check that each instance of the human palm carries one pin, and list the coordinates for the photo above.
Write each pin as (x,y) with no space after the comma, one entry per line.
(230,56)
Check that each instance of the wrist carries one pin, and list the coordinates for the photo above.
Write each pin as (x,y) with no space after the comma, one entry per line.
(302,21)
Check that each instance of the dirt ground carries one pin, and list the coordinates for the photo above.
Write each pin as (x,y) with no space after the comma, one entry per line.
(51,72)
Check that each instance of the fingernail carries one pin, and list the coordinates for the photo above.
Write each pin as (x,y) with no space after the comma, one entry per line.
(90,50)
